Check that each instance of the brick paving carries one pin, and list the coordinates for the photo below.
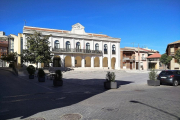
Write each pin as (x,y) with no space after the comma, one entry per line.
(83,93)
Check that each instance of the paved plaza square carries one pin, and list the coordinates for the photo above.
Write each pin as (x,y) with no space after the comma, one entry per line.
(83,94)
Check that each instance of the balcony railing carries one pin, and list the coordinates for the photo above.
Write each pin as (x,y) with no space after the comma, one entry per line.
(74,50)
(171,53)
(129,58)
(153,59)
(113,52)
(143,58)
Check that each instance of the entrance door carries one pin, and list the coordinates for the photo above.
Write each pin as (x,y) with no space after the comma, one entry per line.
(136,65)
(131,65)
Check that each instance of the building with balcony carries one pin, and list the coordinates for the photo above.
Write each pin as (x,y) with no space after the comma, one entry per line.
(171,51)
(76,48)
(134,58)
(3,47)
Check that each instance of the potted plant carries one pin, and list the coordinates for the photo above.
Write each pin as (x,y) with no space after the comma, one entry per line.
(153,78)
(31,70)
(58,78)
(41,75)
(110,81)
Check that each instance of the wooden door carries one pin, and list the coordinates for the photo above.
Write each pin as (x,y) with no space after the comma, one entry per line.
(131,65)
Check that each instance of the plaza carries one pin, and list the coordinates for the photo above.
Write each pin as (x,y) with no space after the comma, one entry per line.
(83,94)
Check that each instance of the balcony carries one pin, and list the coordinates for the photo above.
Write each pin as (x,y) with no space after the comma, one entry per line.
(153,59)
(74,50)
(129,58)
(171,53)
(143,58)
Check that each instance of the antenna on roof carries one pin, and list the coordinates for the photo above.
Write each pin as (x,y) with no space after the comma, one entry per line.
(24,22)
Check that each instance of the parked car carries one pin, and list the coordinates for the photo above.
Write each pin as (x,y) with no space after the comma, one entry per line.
(170,77)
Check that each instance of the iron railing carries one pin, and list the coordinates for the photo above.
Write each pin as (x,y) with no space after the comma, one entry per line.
(74,50)
(143,58)
(129,58)
(172,53)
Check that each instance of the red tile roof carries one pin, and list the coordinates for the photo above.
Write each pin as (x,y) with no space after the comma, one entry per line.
(155,55)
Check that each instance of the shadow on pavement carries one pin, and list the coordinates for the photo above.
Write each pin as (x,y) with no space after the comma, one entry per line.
(134,101)
(29,103)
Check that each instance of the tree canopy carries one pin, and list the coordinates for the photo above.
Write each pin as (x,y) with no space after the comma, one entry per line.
(165,59)
(38,49)
(11,57)
(177,56)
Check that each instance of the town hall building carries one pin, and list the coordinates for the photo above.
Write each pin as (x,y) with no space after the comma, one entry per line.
(76,48)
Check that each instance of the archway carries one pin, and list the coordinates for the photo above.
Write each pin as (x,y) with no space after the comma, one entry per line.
(105,62)
(67,61)
(88,62)
(56,61)
(78,60)
(113,62)
(96,62)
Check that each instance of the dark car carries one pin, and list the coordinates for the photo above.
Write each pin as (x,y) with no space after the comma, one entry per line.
(170,77)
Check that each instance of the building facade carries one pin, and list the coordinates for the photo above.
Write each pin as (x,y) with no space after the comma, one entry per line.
(3,48)
(171,51)
(133,58)
(16,45)
(76,48)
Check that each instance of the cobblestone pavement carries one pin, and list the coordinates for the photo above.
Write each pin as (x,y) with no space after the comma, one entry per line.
(83,94)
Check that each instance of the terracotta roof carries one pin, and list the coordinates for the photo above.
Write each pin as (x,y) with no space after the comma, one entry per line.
(155,55)
(174,42)
(43,29)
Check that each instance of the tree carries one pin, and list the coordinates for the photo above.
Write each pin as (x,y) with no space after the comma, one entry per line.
(38,49)
(11,57)
(165,59)
(177,56)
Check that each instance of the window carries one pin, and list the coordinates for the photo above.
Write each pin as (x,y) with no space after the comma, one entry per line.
(113,49)
(56,44)
(68,45)
(78,46)
(87,46)
(96,46)
(75,61)
(105,49)
(21,44)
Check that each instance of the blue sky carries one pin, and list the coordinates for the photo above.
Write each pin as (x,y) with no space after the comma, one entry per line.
(149,23)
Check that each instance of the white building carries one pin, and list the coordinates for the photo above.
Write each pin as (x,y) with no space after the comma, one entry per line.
(76,48)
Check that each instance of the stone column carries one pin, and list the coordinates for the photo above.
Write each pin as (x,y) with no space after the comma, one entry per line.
(117,56)
(82,62)
(73,61)
(92,61)
(101,61)
(62,60)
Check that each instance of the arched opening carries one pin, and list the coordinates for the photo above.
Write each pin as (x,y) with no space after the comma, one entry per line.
(96,46)
(68,46)
(87,62)
(113,62)
(78,60)
(105,49)
(56,61)
(56,44)
(105,62)
(78,47)
(96,62)
(67,61)
(87,48)
(113,49)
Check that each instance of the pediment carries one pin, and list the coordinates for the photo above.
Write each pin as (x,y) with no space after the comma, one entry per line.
(78,29)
